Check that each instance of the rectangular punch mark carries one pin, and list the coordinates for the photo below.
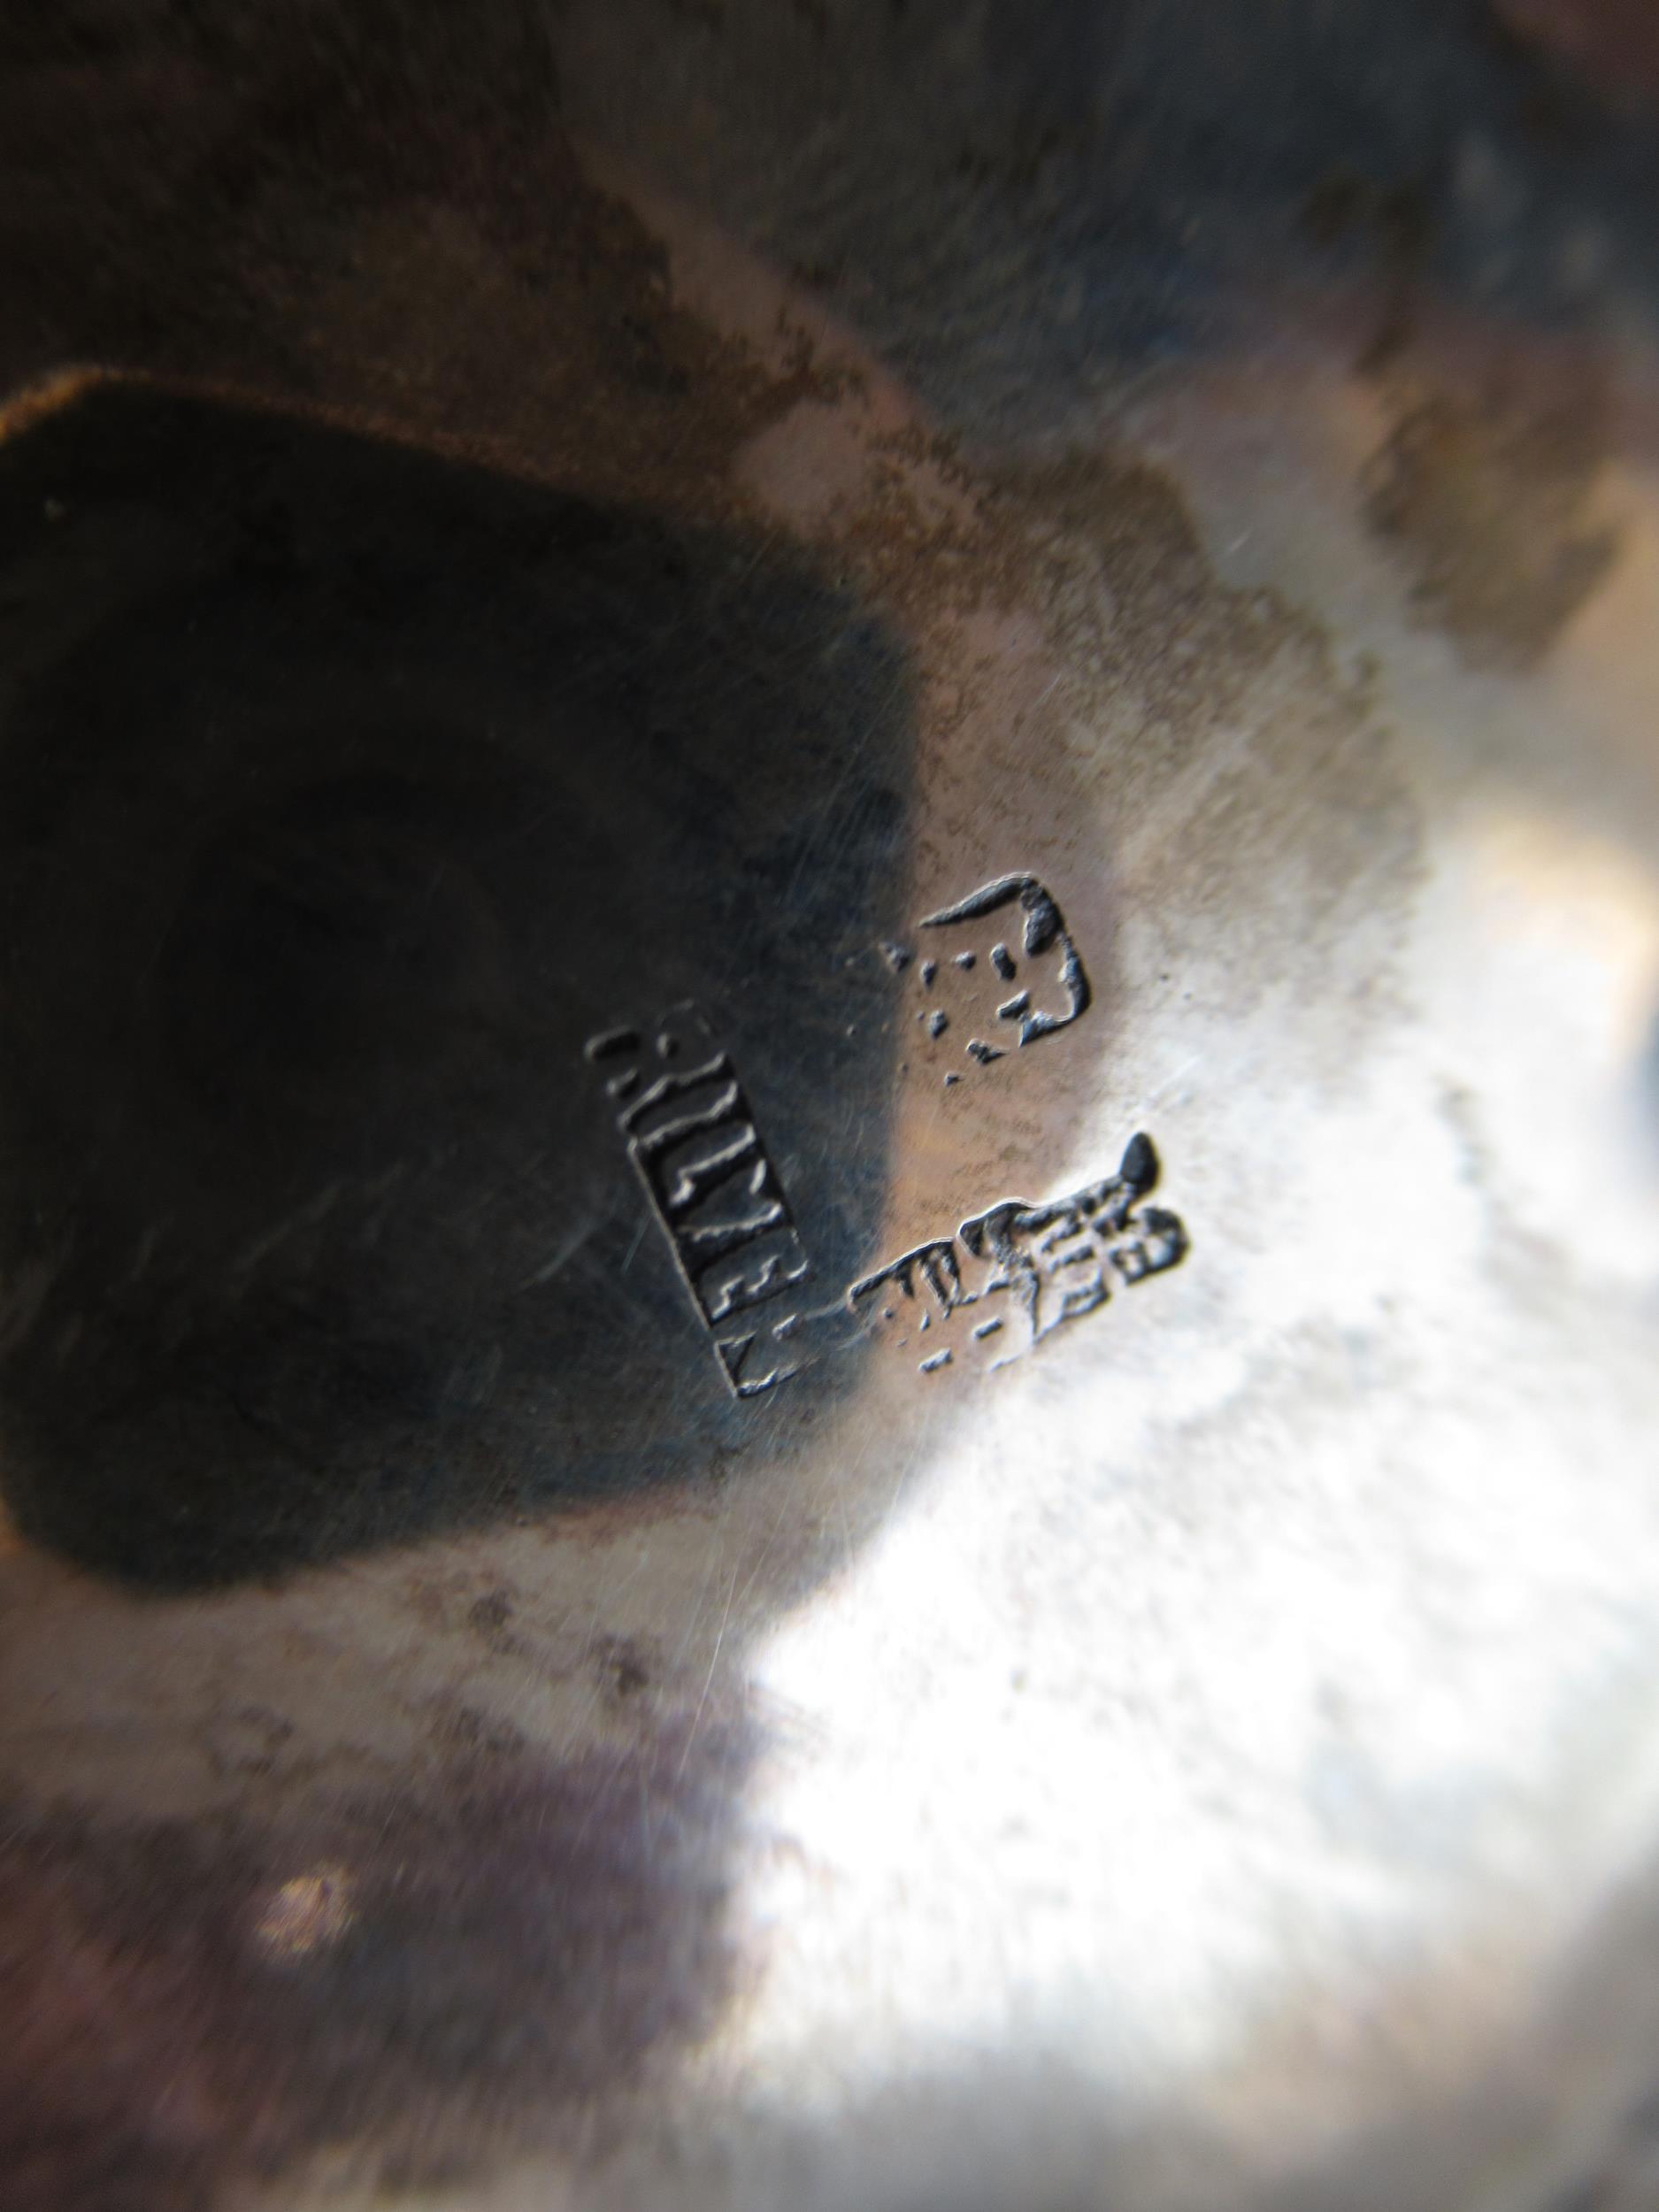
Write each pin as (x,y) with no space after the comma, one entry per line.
(696,1148)
(961,994)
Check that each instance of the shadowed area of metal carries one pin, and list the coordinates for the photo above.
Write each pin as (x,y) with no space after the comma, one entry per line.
(407,1967)
(347,791)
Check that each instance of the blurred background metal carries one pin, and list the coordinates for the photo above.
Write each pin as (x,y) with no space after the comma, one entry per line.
(699,700)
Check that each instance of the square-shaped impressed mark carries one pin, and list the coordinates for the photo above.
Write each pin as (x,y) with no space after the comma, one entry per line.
(990,975)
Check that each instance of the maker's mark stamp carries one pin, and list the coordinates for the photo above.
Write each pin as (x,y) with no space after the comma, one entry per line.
(996,971)
(696,1148)
(1012,1276)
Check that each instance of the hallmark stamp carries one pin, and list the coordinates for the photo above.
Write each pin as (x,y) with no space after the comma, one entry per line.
(1012,1276)
(996,971)
(696,1148)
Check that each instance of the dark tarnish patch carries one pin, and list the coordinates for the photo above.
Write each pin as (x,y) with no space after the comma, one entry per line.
(347,791)
(1487,498)
(372,208)
(419,1983)
(1018,207)
(625,1666)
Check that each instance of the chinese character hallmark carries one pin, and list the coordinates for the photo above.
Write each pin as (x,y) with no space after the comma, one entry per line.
(1011,1275)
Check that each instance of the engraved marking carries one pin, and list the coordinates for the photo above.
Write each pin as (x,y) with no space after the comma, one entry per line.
(696,1148)
(1019,1271)
(611,1040)
(738,1293)
(611,1044)
(1053,990)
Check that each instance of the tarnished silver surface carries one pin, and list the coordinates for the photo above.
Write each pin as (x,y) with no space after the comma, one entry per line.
(829,1132)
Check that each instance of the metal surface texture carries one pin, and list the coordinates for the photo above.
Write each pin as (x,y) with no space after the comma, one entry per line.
(829,1106)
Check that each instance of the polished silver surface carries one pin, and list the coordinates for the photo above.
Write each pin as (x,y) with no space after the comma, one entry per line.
(829,1118)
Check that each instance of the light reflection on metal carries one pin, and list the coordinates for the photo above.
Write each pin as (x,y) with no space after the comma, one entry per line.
(308,1912)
